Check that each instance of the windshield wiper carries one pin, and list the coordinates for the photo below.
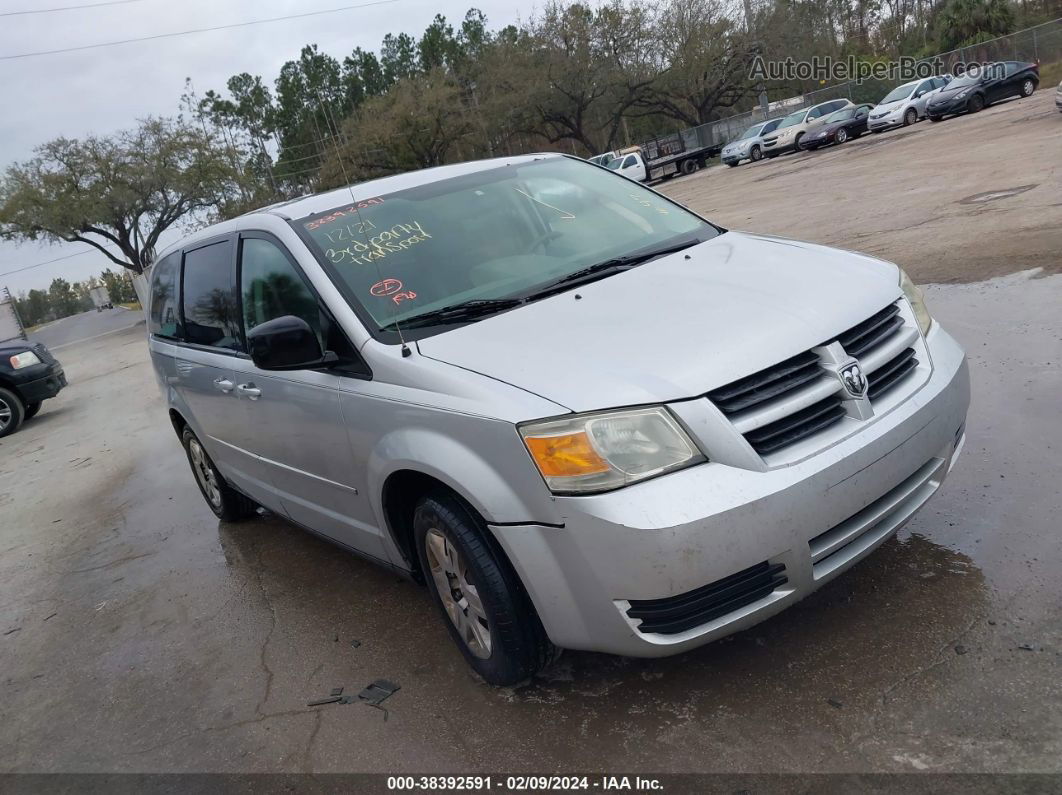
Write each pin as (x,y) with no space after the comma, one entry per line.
(602,269)
(456,313)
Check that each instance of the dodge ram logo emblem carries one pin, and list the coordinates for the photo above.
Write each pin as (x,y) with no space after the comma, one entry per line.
(855,383)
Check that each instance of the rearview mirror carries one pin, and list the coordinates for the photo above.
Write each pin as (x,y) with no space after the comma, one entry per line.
(287,343)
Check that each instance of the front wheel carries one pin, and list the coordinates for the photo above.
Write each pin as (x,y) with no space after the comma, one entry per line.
(976,103)
(226,503)
(756,154)
(910,117)
(797,140)
(12,412)
(488,613)
(841,136)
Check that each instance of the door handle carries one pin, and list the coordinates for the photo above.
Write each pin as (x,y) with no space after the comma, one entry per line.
(250,390)
(224,384)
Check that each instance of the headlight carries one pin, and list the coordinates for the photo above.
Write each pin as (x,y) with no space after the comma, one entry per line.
(962,94)
(918,302)
(608,449)
(26,359)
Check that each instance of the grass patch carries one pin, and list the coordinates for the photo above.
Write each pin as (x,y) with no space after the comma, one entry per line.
(1050,74)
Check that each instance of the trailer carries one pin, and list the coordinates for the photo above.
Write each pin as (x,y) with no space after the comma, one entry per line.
(101,299)
(10,323)
(665,156)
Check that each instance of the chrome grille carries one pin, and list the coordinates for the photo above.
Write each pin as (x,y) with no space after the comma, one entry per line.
(781,405)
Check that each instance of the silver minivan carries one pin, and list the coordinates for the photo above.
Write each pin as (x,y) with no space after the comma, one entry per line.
(582,415)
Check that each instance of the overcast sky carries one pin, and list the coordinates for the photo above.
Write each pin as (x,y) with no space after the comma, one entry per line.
(103,90)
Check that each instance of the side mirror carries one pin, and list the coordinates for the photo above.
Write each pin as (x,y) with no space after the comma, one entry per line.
(287,343)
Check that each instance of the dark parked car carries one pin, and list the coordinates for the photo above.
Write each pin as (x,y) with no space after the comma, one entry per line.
(839,126)
(29,375)
(979,88)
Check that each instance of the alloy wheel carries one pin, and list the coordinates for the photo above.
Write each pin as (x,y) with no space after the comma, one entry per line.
(1027,88)
(842,136)
(460,597)
(5,414)
(204,472)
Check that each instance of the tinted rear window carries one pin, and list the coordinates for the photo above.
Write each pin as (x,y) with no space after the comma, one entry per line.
(208,298)
(164,315)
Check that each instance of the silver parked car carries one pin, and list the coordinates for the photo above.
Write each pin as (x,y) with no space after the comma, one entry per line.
(792,129)
(1058,97)
(905,104)
(750,145)
(584,416)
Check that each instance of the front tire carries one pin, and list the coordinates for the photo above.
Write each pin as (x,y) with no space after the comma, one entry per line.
(486,610)
(797,140)
(975,104)
(226,503)
(910,117)
(841,136)
(32,409)
(12,412)
(756,154)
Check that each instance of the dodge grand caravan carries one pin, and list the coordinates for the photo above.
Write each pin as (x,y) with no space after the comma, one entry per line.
(582,415)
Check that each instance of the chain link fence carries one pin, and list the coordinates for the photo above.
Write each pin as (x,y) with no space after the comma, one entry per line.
(1039,44)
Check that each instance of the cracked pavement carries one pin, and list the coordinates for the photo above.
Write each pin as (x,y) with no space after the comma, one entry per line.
(150,637)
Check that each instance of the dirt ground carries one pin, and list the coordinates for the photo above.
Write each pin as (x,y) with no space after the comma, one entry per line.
(915,196)
(137,633)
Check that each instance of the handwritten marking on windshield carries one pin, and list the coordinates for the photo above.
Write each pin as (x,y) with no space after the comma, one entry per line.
(564,214)
(396,239)
(385,288)
(342,213)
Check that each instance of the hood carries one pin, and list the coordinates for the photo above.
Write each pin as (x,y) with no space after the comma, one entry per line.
(675,327)
(949,91)
(892,107)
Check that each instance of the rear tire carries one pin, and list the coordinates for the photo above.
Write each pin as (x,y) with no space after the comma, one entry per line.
(688,167)
(32,409)
(486,609)
(226,503)
(12,412)
(1028,87)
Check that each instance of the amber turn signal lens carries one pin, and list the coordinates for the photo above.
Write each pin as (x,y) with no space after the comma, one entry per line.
(566,455)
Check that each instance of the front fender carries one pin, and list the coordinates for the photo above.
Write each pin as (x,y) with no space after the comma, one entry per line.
(496,476)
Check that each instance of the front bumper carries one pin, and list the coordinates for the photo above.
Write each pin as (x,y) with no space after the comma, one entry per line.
(778,148)
(682,532)
(1058,101)
(947,107)
(733,157)
(44,387)
(886,122)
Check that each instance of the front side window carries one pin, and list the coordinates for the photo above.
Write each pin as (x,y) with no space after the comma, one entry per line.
(208,300)
(630,161)
(270,287)
(503,233)
(770,126)
(164,315)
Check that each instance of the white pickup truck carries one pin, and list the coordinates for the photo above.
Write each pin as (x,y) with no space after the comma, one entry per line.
(101,299)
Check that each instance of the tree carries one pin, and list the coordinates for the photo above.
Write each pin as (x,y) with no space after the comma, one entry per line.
(63,299)
(117,194)
(34,308)
(965,22)
(118,287)
(416,125)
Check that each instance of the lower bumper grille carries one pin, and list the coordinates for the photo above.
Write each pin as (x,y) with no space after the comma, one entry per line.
(855,535)
(674,614)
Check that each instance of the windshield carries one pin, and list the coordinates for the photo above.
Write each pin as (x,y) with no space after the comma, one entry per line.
(792,118)
(971,78)
(841,115)
(751,132)
(494,234)
(903,92)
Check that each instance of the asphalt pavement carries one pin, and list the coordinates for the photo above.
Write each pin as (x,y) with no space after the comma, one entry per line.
(85,326)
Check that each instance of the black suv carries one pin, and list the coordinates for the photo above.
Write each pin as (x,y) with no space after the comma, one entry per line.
(29,375)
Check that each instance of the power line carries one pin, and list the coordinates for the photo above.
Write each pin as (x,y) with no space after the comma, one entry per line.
(195,30)
(66,8)
(48,262)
